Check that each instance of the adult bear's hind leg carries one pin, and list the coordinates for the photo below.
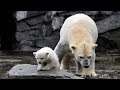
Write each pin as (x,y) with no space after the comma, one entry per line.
(61,49)
(65,62)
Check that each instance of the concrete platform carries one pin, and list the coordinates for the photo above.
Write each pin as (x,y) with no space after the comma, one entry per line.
(28,71)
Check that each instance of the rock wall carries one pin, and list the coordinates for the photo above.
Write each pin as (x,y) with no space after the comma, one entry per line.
(41,28)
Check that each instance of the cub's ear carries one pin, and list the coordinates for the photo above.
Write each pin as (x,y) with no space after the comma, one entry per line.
(94,46)
(34,53)
(47,54)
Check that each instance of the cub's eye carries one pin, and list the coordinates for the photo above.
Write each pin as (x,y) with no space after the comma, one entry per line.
(89,57)
(41,58)
(81,57)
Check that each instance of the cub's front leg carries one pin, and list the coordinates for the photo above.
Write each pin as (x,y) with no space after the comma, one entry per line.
(39,67)
(48,66)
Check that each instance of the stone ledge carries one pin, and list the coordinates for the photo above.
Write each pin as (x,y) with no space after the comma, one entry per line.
(27,71)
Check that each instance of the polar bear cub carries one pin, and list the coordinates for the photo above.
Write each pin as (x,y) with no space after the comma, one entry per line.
(46,59)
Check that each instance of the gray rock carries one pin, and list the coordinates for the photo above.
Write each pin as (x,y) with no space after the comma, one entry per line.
(27,43)
(22,26)
(36,27)
(50,41)
(35,20)
(35,13)
(69,13)
(61,11)
(28,48)
(29,35)
(57,22)
(113,36)
(21,15)
(117,13)
(106,12)
(109,23)
(48,16)
(46,30)
(27,71)
(91,12)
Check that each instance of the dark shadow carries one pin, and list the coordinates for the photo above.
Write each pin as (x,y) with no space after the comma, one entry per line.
(7,30)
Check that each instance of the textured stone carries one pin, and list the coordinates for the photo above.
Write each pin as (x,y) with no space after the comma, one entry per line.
(22,26)
(21,15)
(29,35)
(40,25)
(36,27)
(50,41)
(69,13)
(57,22)
(46,30)
(36,20)
(35,13)
(27,71)
(27,42)
(28,48)
(91,12)
(105,44)
(106,12)
(109,23)
(114,36)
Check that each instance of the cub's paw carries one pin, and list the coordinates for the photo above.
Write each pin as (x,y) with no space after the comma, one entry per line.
(46,68)
(39,68)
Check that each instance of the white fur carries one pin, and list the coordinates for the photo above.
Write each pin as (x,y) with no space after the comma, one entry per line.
(63,46)
(51,56)
(82,18)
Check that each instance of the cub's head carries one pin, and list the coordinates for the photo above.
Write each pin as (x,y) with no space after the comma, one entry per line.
(84,53)
(41,56)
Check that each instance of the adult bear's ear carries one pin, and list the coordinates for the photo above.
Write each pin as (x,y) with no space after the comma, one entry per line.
(34,53)
(73,47)
(94,46)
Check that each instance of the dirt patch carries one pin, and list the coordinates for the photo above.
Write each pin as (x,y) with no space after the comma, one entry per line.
(107,66)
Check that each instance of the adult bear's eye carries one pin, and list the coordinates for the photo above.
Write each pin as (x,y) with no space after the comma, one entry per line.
(81,57)
(89,57)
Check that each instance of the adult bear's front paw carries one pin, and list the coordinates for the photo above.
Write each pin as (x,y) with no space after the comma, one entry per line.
(89,75)
(86,75)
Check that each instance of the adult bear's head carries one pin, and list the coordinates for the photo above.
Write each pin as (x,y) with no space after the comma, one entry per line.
(84,53)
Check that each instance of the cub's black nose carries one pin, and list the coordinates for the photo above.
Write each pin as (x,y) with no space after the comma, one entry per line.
(86,66)
(39,62)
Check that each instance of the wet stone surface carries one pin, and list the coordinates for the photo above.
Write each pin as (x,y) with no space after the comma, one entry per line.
(107,66)
(29,71)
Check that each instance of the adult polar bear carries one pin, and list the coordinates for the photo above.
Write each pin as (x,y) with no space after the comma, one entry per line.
(78,36)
